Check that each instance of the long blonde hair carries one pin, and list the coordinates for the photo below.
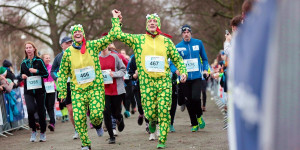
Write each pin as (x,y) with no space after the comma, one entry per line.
(35,49)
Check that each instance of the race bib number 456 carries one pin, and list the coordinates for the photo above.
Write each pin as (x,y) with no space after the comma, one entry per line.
(85,75)
(155,63)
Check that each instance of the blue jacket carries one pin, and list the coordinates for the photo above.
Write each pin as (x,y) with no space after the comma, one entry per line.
(193,49)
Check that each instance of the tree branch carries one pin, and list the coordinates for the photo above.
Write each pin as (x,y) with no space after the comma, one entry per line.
(26,9)
(25,31)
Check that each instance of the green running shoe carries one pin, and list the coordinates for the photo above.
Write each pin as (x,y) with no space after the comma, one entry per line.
(172,129)
(195,128)
(201,122)
(161,146)
(152,126)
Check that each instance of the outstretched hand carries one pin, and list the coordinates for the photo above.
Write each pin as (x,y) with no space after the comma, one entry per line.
(116,14)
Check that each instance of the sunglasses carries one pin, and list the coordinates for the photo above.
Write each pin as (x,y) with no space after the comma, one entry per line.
(186,28)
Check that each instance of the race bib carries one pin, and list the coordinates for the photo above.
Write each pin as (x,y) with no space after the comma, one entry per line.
(85,75)
(49,86)
(34,82)
(191,64)
(107,79)
(126,76)
(196,48)
(155,63)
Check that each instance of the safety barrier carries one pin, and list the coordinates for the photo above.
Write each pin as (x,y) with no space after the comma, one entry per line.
(13,112)
(220,97)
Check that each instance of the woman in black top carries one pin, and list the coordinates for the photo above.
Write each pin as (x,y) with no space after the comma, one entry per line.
(33,69)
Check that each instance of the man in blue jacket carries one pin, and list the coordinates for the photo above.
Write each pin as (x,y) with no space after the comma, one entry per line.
(191,50)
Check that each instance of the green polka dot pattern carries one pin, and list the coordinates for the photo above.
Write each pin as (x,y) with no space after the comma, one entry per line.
(84,95)
(156,90)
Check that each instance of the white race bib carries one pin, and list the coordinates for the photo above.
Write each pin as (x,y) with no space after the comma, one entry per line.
(85,75)
(155,63)
(126,76)
(107,79)
(191,64)
(49,86)
(196,48)
(34,82)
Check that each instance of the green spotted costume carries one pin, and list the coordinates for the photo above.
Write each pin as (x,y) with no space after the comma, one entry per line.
(155,82)
(80,62)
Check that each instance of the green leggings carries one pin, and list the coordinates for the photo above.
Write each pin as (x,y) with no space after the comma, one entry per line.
(156,97)
(94,99)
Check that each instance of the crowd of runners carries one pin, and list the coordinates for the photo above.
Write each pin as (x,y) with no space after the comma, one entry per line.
(93,79)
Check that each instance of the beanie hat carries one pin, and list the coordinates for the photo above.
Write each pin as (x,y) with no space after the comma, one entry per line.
(2,70)
(6,63)
(186,27)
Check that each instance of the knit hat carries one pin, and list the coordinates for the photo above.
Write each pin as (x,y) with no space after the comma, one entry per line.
(186,27)
(6,63)
(3,70)
(157,32)
(83,43)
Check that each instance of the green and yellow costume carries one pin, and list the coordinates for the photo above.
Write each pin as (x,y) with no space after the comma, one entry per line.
(155,82)
(83,67)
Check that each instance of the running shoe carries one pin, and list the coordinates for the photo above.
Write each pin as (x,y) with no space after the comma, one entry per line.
(127,114)
(51,127)
(63,119)
(33,136)
(182,107)
(86,148)
(121,124)
(172,129)
(76,135)
(67,118)
(91,126)
(152,137)
(100,132)
(43,137)
(201,122)
(115,132)
(152,126)
(140,120)
(195,128)
(112,140)
(160,145)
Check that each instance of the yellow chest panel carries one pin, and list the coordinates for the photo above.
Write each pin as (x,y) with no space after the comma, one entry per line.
(154,47)
(79,61)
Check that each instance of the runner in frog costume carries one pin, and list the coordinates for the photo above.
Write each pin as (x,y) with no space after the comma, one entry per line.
(80,62)
(152,51)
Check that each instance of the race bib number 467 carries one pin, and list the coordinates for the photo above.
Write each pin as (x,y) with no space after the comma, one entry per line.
(85,75)
(155,63)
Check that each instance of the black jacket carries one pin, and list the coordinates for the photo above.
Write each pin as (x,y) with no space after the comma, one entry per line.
(36,63)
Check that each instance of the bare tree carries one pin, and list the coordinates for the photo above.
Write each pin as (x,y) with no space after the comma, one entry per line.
(209,19)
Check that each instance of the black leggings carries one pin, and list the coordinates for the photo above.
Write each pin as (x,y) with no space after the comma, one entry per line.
(112,108)
(203,91)
(129,99)
(35,103)
(137,95)
(174,101)
(191,93)
(49,103)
